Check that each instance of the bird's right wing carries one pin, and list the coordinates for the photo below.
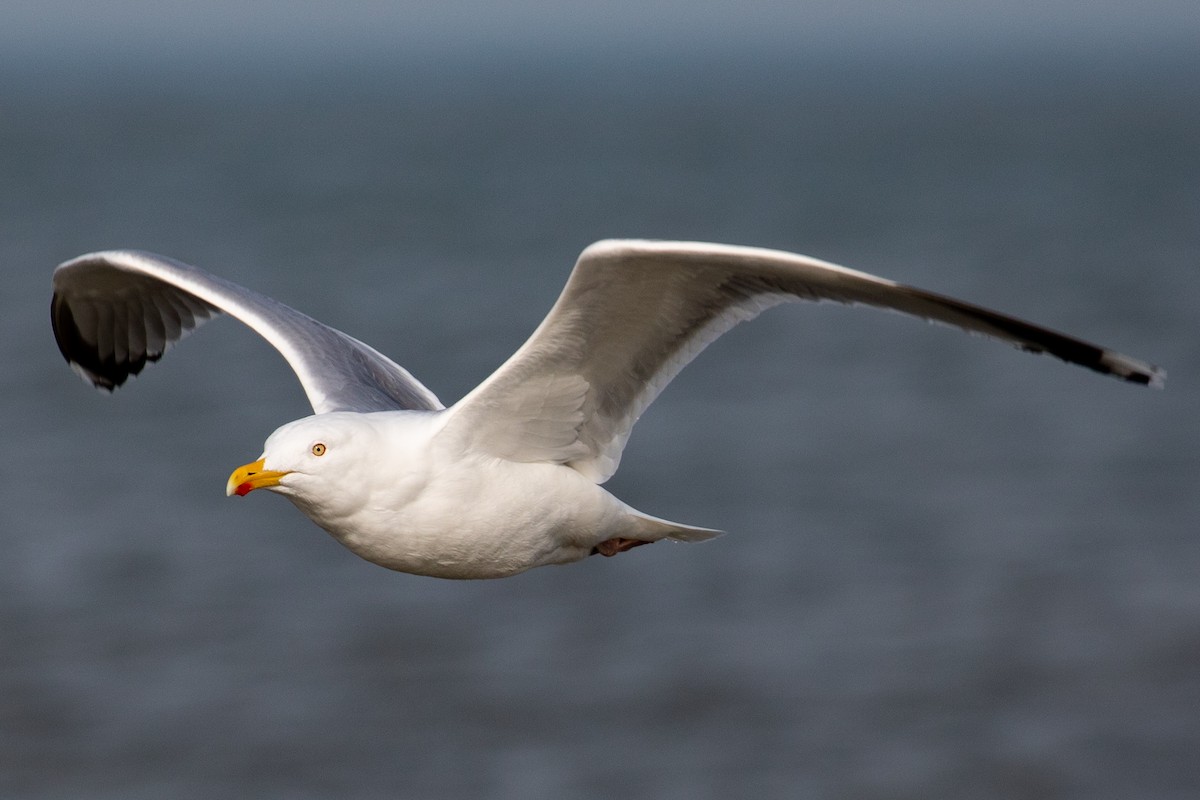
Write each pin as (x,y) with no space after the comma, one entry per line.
(115,311)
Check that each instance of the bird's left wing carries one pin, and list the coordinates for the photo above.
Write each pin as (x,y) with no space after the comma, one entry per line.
(115,311)
(634,313)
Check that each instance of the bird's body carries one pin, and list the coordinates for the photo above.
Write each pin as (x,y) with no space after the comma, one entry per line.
(428,505)
(509,477)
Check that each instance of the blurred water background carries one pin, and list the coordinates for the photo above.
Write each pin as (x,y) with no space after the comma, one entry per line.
(953,569)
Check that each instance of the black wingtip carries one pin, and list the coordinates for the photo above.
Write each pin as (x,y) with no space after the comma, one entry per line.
(83,356)
(1130,369)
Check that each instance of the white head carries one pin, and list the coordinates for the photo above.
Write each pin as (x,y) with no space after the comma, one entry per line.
(323,463)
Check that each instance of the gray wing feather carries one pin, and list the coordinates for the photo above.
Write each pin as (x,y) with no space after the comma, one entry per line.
(634,313)
(114,312)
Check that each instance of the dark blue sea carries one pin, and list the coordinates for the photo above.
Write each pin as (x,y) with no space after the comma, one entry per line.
(953,570)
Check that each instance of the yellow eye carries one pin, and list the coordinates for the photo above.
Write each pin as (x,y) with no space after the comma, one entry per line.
(318,449)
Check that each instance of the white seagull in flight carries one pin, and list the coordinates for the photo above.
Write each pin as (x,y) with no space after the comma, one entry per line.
(509,477)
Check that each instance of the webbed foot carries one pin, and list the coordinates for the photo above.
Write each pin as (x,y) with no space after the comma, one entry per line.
(610,547)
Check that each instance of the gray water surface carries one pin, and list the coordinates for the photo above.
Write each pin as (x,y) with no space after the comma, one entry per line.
(953,569)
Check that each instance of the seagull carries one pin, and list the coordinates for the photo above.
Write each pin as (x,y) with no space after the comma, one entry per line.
(509,477)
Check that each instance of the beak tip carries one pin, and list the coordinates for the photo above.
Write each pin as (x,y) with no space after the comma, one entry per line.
(246,479)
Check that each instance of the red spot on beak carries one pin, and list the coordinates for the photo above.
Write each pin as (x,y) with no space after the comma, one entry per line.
(243,489)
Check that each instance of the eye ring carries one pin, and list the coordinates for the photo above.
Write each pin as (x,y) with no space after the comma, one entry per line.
(318,449)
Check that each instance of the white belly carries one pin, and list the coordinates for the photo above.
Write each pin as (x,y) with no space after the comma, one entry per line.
(483,519)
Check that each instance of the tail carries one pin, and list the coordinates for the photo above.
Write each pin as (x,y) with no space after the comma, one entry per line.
(651,529)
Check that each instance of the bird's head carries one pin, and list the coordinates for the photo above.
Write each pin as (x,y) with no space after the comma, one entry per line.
(313,461)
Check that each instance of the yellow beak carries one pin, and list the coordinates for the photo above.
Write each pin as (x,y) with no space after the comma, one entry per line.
(246,479)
